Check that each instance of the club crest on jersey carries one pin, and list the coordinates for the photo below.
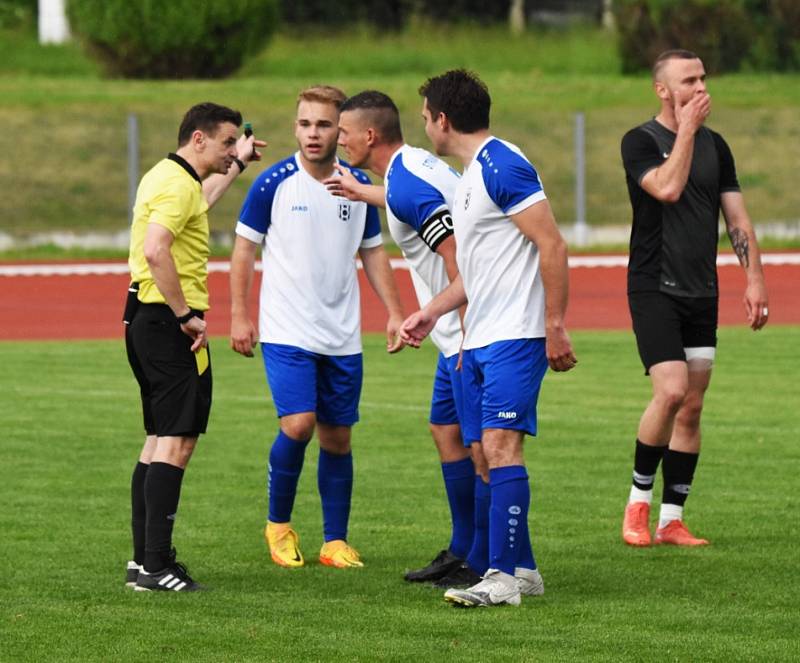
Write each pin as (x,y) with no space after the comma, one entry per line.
(344,211)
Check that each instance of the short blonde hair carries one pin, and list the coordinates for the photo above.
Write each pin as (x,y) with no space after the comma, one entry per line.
(325,94)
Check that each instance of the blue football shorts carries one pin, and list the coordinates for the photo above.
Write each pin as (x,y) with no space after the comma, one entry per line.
(303,381)
(447,402)
(502,382)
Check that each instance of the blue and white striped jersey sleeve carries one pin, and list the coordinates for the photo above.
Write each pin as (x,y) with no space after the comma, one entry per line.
(255,216)
(419,204)
(510,179)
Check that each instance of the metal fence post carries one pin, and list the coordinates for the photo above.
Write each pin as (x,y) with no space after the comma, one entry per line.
(133,161)
(581,230)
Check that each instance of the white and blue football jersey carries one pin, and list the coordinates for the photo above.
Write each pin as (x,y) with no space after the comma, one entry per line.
(309,286)
(498,264)
(419,196)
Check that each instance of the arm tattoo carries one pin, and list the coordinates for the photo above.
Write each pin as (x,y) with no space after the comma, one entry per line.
(740,246)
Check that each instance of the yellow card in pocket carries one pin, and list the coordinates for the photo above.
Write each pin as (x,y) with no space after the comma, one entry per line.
(201,357)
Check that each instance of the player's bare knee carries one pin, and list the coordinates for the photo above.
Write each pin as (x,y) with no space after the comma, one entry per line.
(480,462)
(299,426)
(690,411)
(670,397)
(185,450)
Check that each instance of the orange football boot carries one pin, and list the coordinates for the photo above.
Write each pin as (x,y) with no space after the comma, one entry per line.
(675,533)
(635,525)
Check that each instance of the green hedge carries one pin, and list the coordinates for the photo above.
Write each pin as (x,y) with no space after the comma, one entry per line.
(174,39)
(729,35)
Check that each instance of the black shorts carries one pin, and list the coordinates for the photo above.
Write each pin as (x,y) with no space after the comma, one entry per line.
(664,325)
(176,400)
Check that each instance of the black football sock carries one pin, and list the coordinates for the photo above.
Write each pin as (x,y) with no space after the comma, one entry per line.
(678,470)
(138,511)
(645,463)
(162,492)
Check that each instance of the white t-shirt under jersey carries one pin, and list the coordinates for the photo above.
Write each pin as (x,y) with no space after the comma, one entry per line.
(498,264)
(309,286)
(419,196)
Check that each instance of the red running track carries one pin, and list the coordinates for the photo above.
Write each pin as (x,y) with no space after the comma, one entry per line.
(90,306)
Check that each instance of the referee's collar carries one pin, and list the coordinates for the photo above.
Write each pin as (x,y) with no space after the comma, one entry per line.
(185,165)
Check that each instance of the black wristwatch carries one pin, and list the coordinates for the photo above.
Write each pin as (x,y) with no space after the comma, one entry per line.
(183,319)
(239,163)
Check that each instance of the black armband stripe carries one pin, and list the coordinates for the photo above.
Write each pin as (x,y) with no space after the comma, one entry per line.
(437,229)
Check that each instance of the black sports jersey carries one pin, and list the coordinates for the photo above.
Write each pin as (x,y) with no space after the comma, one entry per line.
(673,246)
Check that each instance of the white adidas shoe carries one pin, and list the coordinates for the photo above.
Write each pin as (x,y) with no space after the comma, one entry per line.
(496,588)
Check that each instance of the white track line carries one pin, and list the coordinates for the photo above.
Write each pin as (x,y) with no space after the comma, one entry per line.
(104,268)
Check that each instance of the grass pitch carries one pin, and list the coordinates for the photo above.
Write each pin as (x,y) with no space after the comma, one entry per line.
(71,435)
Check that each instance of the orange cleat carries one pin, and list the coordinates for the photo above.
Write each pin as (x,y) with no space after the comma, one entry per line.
(675,533)
(282,541)
(635,526)
(338,554)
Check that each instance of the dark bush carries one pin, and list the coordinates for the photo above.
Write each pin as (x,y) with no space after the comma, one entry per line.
(777,42)
(15,14)
(385,14)
(389,15)
(175,38)
(721,32)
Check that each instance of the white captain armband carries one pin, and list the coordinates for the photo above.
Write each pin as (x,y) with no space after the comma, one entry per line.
(437,229)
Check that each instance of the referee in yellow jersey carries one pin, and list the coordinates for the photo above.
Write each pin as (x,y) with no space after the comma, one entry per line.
(166,334)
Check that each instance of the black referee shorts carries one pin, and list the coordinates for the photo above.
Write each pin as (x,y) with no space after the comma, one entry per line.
(664,325)
(176,400)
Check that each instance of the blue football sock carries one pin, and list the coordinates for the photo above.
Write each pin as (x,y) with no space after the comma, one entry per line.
(478,557)
(335,482)
(285,464)
(526,560)
(511,497)
(459,483)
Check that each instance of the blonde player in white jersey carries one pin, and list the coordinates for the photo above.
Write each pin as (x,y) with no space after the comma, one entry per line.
(309,320)
(513,272)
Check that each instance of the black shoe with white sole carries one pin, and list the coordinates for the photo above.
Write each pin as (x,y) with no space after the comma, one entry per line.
(132,573)
(174,578)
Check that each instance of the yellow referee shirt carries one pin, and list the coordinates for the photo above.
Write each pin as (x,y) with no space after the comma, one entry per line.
(171,195)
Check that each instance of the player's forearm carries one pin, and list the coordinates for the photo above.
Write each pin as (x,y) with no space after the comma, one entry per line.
(447,250)
(451,298)
(214,186)
(241,279)
(381,278)
(554,270)
(667,182)
(372,194)
(745,246)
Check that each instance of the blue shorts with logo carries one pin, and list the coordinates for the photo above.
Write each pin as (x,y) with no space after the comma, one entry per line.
(304,381)
(502,382)
(447,402)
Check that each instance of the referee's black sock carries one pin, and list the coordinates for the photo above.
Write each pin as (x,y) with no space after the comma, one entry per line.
(138,511)
(678,470)
(162,492)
